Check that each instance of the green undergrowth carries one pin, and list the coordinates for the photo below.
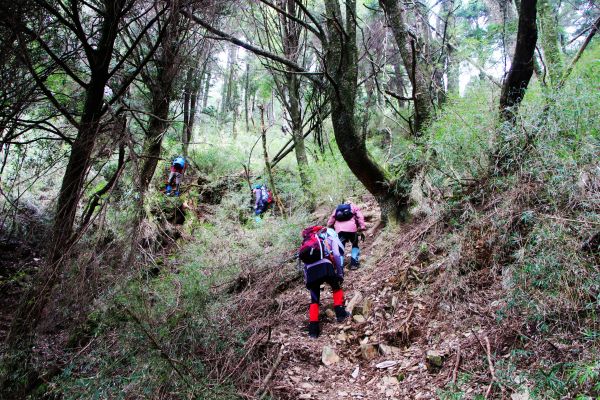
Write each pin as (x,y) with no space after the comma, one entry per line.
(163,330)
(529,223)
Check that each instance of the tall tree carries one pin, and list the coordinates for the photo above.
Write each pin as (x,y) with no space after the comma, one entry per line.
(341,65)
(92,29)
(521,69)
(159,78)
(419,77)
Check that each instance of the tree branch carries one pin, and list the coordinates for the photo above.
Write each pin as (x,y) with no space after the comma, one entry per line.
(250,47)
(587,41)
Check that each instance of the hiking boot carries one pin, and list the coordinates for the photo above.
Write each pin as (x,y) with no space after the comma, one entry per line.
(354,265)
(313,330)
(341,314)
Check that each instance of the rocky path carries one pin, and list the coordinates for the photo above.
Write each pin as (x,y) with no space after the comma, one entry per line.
(366,357)
(404,340)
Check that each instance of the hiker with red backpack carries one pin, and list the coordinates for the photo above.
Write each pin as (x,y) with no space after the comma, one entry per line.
(349,223)
(323,256)
(263,198)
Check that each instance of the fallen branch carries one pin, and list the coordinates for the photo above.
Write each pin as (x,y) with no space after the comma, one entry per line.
(405,326)
(491,367)
(262,387)
(456,364)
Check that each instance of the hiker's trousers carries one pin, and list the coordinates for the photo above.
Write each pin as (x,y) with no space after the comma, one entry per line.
(351,237)
(175,178)
(315,295)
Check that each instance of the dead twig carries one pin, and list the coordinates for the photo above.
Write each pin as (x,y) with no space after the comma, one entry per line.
(491,367)
(262,391)
(456,364)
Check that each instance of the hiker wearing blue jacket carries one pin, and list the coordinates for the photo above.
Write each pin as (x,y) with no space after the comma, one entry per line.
(178,167)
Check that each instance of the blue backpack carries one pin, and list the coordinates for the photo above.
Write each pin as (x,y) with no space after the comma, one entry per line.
(343,212)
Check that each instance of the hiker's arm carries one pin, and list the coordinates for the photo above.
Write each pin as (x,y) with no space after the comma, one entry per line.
(331,220)
(360,220)
(338,258)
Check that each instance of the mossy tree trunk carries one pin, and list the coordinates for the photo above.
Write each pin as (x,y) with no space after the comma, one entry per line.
(342,70)
(419,78)
(548,22)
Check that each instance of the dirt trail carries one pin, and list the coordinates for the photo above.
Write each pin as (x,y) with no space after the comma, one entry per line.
(382,352)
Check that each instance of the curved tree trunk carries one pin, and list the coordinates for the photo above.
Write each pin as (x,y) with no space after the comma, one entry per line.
(419,78)
(342,68)
(521,69)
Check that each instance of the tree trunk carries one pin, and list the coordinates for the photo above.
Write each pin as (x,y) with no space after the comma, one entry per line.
(246,94)
(452,64)
(206,85)
(521,69)
(296,125)
(161,88)
(549,41)
(195,83)
(418,77)
(186,109)
(28,314)
(342,65)
(263,131)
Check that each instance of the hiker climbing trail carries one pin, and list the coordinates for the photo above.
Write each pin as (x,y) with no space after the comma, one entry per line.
(396,345)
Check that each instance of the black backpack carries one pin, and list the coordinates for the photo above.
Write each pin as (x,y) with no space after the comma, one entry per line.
(343,212)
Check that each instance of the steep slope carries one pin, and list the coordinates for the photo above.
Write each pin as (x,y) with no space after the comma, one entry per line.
(432,317)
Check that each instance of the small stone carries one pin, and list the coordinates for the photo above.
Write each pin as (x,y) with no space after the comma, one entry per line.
(434,360)
(389,350)
(355,372)
(342,393)
(521,395)
(368,332)
(342,336)
(368,351)
(305,396)
(329,357)
(306,385)
(394,302)
(330,313)
(386,364)
(390,380)
(354,301)
(359,319)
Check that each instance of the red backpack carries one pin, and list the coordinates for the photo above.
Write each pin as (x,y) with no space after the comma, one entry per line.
(314,246)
